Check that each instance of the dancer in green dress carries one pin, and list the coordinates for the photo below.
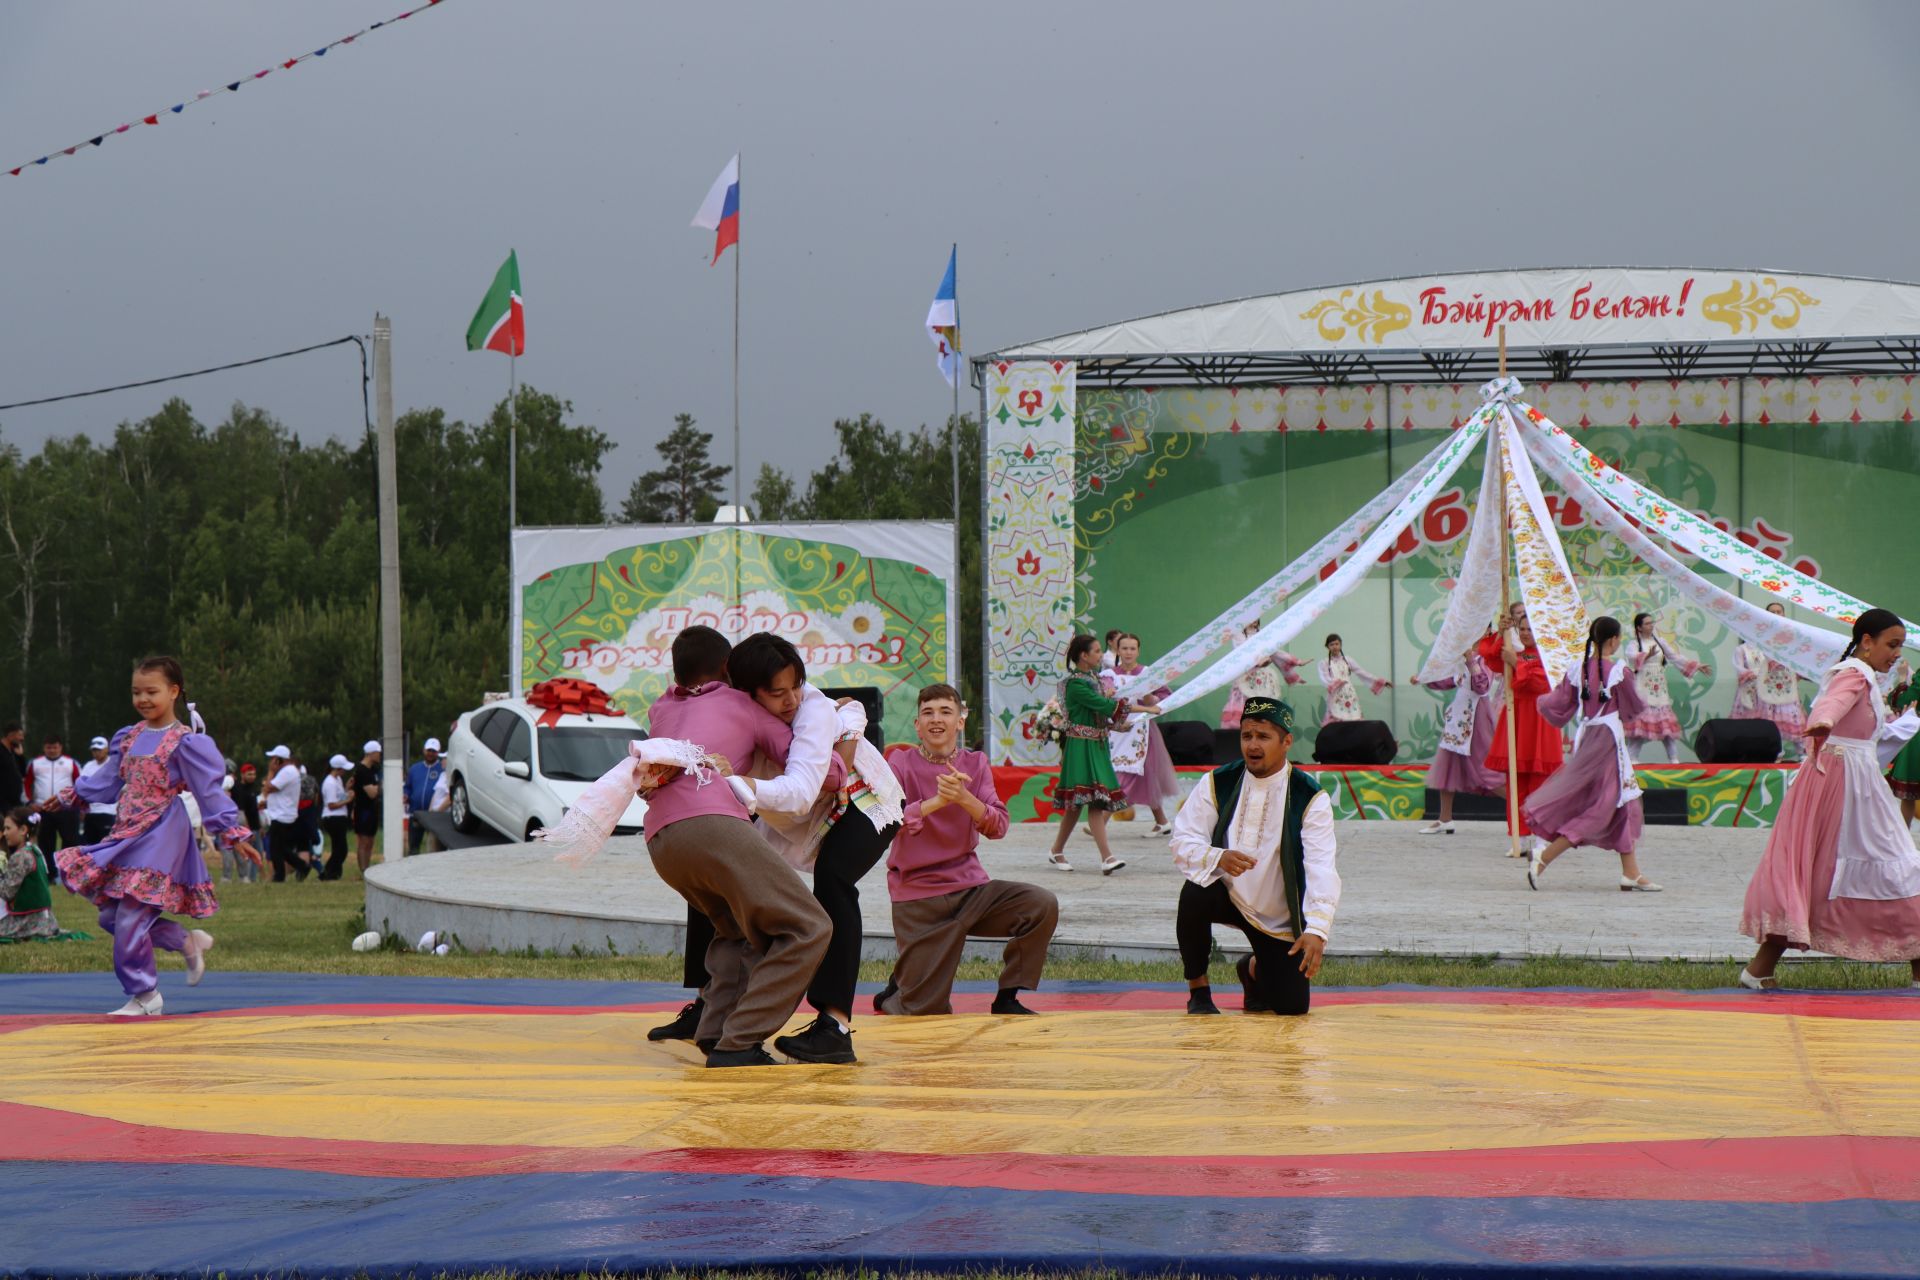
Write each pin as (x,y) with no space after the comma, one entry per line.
(1904,776)
(1087,778)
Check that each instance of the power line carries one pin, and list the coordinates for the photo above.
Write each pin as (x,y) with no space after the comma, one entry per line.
(197,373)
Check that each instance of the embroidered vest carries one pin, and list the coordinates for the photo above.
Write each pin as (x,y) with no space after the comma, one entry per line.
(1301,790)
(33,894)
(146,790)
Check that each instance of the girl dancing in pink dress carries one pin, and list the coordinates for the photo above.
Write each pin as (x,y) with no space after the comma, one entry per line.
(1840,873)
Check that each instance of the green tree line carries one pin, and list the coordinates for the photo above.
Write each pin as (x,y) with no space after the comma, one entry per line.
(254,556)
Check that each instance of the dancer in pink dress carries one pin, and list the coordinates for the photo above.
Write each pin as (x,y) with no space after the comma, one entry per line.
(1466,735)
(1649,657)
(1840,873)
(1769,690)
(1155,782)
(1592,800)
(1263,681)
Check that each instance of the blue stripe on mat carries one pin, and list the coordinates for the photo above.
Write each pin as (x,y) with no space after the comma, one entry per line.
(74,1220)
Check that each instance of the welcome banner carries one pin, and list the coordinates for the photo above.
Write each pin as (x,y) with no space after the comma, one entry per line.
(867,604)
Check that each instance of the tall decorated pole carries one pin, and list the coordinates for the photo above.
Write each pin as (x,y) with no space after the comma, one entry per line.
(720,214)
(1506,608)
(943,328)
(500,325)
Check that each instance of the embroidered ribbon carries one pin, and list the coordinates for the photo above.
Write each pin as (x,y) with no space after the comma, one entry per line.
(1255,649)
(1304,569)
(588,825)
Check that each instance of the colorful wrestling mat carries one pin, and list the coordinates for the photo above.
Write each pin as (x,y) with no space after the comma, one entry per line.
(337,1125)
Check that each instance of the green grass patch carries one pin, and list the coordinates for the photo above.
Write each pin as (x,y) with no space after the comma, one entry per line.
(306,928)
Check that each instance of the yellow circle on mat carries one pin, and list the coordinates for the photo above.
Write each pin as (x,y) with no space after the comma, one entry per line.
(1348,1079)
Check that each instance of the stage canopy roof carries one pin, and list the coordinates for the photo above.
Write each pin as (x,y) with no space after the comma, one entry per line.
(1563,324)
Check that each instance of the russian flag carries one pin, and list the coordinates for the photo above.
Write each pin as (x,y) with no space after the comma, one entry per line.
(720,211)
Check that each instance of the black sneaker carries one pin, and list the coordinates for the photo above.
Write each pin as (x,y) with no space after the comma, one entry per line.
(893,989)
(1200,1002)
(682,1027)
(706,1045)
(750,1057)
(823,1041)
(1009,1005)
(1249,1002)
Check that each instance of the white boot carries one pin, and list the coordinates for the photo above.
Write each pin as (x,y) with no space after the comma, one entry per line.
(146,1006)
(199,942)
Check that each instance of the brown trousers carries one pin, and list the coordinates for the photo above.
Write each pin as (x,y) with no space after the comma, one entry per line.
(769,933)
(932,932)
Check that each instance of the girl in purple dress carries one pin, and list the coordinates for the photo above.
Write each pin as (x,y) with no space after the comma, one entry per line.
(1593,799)
(160,772)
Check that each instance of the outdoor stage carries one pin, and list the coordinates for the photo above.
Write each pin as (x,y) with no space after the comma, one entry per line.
(332,1125)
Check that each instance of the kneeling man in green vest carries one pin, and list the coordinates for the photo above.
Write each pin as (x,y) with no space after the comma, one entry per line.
(1255,842)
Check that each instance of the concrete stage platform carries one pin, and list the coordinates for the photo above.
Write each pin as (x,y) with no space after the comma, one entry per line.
(1403,892)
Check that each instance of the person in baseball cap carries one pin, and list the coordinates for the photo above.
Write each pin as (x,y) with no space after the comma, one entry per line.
(422,777)
(99,820)
(333,815)
(364,791)
(1255,841)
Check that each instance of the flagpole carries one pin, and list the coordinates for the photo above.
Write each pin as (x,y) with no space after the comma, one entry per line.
(953,447)
(1506,608)
(513,505)
(737,513)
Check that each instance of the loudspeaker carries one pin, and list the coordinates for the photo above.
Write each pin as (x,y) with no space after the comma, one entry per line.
(869,699)
(1737,742)
(1226,746)
(1188,741)
(1355,742)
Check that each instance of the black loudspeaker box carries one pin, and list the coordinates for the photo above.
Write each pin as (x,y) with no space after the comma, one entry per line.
(1737,742)
(1188,741)
(1355,742)
(870,700)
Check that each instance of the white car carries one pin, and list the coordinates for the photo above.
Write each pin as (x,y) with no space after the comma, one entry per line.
(513,774)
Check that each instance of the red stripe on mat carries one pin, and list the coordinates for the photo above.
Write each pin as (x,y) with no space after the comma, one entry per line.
(1737,1169)
(1883,1007)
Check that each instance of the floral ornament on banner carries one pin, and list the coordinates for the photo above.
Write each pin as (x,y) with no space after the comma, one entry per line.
(232,86)
(1226,628)
(1695,536)
(1251,652)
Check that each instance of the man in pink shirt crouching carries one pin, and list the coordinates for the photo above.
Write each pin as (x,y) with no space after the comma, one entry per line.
(941,894)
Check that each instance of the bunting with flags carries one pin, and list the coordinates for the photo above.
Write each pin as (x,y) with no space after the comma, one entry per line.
(231,86)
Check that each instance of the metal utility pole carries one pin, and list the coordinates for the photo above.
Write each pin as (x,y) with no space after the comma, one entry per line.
(392,726)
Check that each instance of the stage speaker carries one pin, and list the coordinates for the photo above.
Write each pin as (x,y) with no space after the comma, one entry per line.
(1226,746)
(869,699)
(1355,742)
(1664,806)
(1737,742)
(1188,741)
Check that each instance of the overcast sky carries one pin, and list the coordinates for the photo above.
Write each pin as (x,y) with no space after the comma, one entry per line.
(1094,161)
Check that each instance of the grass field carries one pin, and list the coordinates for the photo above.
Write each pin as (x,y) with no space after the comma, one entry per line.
(306,928)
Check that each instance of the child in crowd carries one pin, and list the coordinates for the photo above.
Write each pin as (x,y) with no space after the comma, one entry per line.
(1466,735)
(1656,721)
(1338,673)
(28,902)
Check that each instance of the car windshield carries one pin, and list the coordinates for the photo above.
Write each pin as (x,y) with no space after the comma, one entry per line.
(582,755)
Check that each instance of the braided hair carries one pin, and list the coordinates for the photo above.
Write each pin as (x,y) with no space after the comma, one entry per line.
(1639,644)
(1871,623)
(1600,631)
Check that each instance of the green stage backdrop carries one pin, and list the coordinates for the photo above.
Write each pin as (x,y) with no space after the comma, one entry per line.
(1186,499)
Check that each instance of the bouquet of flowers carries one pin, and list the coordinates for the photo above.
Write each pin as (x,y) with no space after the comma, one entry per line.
(1050,726)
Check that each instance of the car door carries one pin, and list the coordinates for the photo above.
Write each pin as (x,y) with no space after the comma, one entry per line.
(487,790)
(518,796)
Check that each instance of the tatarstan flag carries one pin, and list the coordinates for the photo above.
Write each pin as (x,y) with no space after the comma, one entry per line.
(501,322)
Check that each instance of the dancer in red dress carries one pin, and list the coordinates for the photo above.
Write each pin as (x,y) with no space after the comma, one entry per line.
(1537,748)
